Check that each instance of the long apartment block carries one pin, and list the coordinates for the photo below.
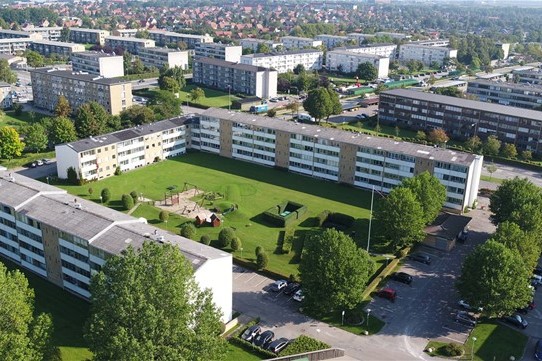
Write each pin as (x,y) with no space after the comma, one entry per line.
(16,34)
(462,118)
(52,33)
(238,78)
(98,63)
(286,61)
(47,48)
(14,46)
(163,57)
(132,45)
(296,42)
(330,154)
(48,84)
(254,44)
(347,62)
(66,240)
(226,52)
(88,36)
(530,76)
(385,50)
(425,53)
(519,95)
(332,41)
(165,38)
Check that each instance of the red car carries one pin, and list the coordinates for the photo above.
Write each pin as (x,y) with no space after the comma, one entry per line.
(388,293)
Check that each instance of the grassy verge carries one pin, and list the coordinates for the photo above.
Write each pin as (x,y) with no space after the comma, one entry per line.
(213,98)
(10,119)
(335,319)
(236,353)
(25,158)
(491,179)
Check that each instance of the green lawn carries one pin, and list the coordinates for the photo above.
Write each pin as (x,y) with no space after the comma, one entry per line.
(236,353)
(69,314)
(213,98)
(254,188)
(10,119)
(491,179)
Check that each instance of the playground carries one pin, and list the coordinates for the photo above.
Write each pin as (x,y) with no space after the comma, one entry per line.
(182,202)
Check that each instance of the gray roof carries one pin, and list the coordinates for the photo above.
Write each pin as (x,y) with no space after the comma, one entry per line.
(3,84)
(122,135)
(58,43)
(293,52)
(229,64)
(297,38)
(78,76)
(171,33)
(16,40)
(93,54)
(15,32)
(467,103)
(341,136)
(87,30)
(156,49)
(358,55)
(519,86)
(103,227)
(128,40)
(421,46)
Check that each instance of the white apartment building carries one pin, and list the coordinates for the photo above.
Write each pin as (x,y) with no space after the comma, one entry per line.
(66,239)
(295,42)
(98,63)
(333,41)
(528,76)
(13,46)
(348,62)
(131,45)
(385,50)
(164,57)
(47,48)
(225,52)
(88,36)
(6,101)
(399,36)
(287,61)
(52,33)
(17,34)
(164,38)
(432,42)
(359,37)
(254,44)
(426,54)
(125,33)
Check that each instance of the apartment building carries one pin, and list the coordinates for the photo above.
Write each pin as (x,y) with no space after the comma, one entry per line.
(125,33)
(432,42)
(48,84)
(164,38)
(519,95)
(131,45)
(52,33)
(347,62)
(530,76)
(386,50)
(238,78)
(296,42)
(462,118)
(332,41)
(6,101)
(17,34)
(254,44)
(14,46)
(399,36)
(287,61)
(164,57)
(225,52)
(98,63)
(47,48)
(88,36)
(66,240)
(426,54)
(359,37)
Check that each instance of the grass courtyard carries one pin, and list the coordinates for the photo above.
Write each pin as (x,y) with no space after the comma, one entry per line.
(254,188)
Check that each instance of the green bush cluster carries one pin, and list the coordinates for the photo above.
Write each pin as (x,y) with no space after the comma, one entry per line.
(106,195)
(452,349)
(188,230)
(205,239)
(304,344)
(225,237)
(127,202)
(134,196)
(322,217)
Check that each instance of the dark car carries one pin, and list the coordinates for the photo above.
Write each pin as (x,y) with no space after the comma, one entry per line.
(264,338)
(278,345)
(387,293)
(463,236)
(538,350)
(517,321)
(531,306)
(538,271)
(420,257)
(291,288)
(251,332)
(402,277)
(465,318)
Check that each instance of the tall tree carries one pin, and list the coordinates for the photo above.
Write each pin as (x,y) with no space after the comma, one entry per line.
(491,146)
(494,277)
(6,74)
(62,108)
(10,143)
(509,150)
(299,68)
(176,73)
(146,305)
(429,192)
(136,115)
(165,105)
(438,136)
(367,71)
(23,336)
(473,143)
(263,48)
(511,235)
(401,217)
(169,84)
(35,137)
(60,130)
(322,102)
(197,94)
(334,272)
(91,120)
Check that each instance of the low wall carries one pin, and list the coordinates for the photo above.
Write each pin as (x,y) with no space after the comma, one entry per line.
(327,354)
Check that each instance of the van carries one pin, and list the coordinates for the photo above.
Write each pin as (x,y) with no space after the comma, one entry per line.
(304,117)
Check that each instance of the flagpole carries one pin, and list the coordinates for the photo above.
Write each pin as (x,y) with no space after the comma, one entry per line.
(370,220)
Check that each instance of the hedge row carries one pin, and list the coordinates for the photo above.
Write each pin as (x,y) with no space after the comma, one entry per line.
(276,219)
(336,218)
(303,344)
(248,346)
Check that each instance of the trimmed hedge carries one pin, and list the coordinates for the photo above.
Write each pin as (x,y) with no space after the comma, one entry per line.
(273,214)
(322,217)
(303,344)
(342,219)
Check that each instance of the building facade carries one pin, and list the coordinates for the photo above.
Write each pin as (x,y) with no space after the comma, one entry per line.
(330,154)
(98,63)
(348,62)
(161,57)
(47,48)
(17,34)
(287,61)
(462,118)
(359,37)
(515,95)
(333,41)
(48,84)
(125,33)
(132,45)
(238,78)
(52,33)
(530,76)
(6,101)
(426,54)
(13,46)
(385,50)
(66,240)
(88,36)
(254,44)
(164,38)
(295,42)
(225,52)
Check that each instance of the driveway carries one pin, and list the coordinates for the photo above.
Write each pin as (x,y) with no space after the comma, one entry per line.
(38,172)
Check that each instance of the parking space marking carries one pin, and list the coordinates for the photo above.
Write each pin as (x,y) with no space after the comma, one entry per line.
(254,275)
(453,339)
(454,330)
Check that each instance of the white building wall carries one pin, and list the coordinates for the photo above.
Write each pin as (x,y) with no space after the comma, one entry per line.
(66,157)
(283,63)
(111,67)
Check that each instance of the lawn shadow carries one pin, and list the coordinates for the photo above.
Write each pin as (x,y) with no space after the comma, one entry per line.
(309,222)
(116,205)
(262,219)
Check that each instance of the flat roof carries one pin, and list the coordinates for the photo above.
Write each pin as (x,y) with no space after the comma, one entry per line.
(466,103)
(420,46)
(157,49)
(298,38)
(333,36)
(17,40)
(58,43)
(520,86)
(128,40)
(42,28)
(284,53)
(217,45)
(94,55)
(229,64)
(87,30)
(359,55)
(17,32)
(171,33)
(78,75)
(342,136)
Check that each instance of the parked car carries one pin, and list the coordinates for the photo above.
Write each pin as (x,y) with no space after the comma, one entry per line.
(277,286)
(465,318)
(251,332)
(292,288)
(517,321)
(402,277)
(464,304)
(298,296)
(387,293)
(538,271)
(531,306)
(463,236)
(420,257)
(538,350)
(46,161)
(263,339)
(141,81)
(278,345)
(361,116)
(39,162)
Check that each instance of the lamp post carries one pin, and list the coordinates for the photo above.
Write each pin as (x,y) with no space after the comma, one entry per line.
(387,261)
(101,200)
(472,350)
(342,318)
(368,313)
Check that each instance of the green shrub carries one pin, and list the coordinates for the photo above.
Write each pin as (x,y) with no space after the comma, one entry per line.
(72,176)
(262,260)
(322,217)
(118,171)
(452,349)
(236,244)
(90,191)
(164,216)
(188,230)
(250,347)
(303,344)
(127,202)
(225,237)
(259,250)
(134,196)
(205,239)
(106,195)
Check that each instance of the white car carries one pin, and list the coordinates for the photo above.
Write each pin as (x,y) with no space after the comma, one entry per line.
(277,286)
(466,306)
(298,296)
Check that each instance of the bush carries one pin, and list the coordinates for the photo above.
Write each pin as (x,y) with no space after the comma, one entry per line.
(134,196)
(322,217)
(205,239)
(262,260)
(127,202)
(225,237)
(72,176)
(118,171)
(304,344)
(259,250)
(295,278)
(164,216)
(452,349)
(90,191)
(250,347)
(106,195)
(342,219)
(188,230)
(18,109)
(236,244)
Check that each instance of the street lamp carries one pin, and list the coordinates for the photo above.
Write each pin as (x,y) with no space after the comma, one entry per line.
(342,319)
(472,351)
(101,200)
(368,313)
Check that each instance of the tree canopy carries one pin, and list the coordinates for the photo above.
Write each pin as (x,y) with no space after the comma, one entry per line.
(165,105)
(35,137)
(334,272)
(6,74)
(91,120)
(322,102)
(146,305)
(513,237)
(10,143)
(59,130)
(367,71)
(62,108)
(136,115)
(429,192)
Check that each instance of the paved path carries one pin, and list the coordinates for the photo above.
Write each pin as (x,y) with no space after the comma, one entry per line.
(508,172)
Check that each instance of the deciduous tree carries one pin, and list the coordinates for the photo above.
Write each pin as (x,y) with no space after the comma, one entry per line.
(6,74)
(511,235)
(60,130)
(473,143)
(136,115)
(197,94)
(509,150)
(10,143)
(35,137)
(91,120)
(321,103)
(491,146)
(62,108)
(438,136)
(429,192)
(165,105)
(367,71)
